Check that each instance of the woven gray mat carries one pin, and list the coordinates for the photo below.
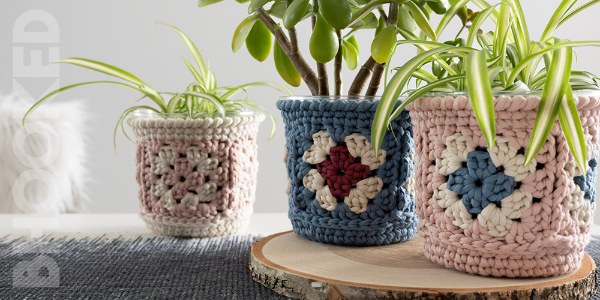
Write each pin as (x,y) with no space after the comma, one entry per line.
(136,267)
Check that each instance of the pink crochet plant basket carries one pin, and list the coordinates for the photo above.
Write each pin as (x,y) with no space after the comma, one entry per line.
(197,177)
(481,211)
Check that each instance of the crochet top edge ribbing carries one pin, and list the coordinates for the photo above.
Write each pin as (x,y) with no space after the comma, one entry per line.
(501,103)
(219,122)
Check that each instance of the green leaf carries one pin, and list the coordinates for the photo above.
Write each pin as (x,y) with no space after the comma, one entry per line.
(323,43)
(577,11)
(295,12)
(122,119)
(421,20)
(477,22)
(284,66)
(241,32)
(203,3)
(103,68)
(193,49)
(558,15)
(438,6)
(337,13)
(422,91)
(405,20)
(350,53)
(232,91)
(572,129)
(450,13)
(395,86)
(256,5)
(382,45)
(557,82)
(480,94)
(49,96)
(194,72)
(259,41)
(516,70)
(216,102)
(365,11)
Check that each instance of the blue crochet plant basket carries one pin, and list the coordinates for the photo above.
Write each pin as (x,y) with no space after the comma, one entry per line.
(340,191)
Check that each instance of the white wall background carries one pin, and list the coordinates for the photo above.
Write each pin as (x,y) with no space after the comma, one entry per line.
(125,33)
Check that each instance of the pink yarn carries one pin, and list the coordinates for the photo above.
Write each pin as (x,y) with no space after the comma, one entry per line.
(196,177)
(549,238)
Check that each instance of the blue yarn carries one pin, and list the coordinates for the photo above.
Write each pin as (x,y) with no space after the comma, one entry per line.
(479,182)
(390,217)
(587,182)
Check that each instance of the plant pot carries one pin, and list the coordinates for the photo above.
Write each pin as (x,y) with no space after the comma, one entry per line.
(341,192)
(481,210)
(196,177)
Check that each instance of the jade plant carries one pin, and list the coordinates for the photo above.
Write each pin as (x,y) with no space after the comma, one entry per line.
(271,27)
(501,58)
(201,98)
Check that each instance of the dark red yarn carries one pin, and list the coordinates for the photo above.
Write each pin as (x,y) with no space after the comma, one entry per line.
(341,171)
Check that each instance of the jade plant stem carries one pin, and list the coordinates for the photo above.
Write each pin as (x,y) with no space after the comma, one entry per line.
(338,65)
(307,74)
(391,19)
(318,82)
(321,68)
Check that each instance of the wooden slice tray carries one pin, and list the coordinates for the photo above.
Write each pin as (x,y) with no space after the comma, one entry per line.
(295,267)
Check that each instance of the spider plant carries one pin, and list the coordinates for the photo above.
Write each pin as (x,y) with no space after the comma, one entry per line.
(504,59)
(201,99)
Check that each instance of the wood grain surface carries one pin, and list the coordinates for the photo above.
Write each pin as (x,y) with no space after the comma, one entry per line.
(301,269)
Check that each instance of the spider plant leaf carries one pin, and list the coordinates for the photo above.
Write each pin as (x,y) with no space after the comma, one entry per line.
(264,110)
(520,29)
(572,129)
(194,72)
(193,49)
(557,82)
(216,102)
(122,119)
(452,12)
(232,91)
(477,22)
(480,94)
(422,91)
(241,32)
(527,60)
(394,87)
(48,96)
(103,68)
(557,16)
(203,3)
(577,11)
(421,20)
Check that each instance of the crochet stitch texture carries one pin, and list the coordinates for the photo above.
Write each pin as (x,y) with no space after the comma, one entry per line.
(341,192)
(197,177)
(481,210)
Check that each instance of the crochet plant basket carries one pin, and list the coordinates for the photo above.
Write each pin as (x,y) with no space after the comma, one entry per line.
(481,210)
(197,177)
(341,192)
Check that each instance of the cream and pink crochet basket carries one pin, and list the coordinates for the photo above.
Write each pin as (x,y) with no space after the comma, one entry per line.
(197,177)
(481,211)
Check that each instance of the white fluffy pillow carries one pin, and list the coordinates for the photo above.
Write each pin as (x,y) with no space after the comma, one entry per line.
(42,164)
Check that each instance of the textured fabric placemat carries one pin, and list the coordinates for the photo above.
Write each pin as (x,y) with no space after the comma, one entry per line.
(138,267)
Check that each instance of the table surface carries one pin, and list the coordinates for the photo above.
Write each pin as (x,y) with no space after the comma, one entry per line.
(260,223)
